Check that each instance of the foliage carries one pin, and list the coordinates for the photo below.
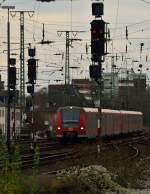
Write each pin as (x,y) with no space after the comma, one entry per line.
(34,189)
(39,120)
(36,161)
(89,180)
(11,181)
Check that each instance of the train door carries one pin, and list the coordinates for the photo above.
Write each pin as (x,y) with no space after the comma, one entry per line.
(91,124)
(115,124)
(111,125)
(130,123)
(123,122)
(103,124)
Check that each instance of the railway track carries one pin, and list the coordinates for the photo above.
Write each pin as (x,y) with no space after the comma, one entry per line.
(46,158)
(50,152)
(131,143)
(138,139)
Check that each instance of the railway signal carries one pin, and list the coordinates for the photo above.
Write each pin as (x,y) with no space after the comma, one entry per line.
(31,52)
(30,89)
(31,70)
(12,73)
(12,87)
(32,63)
(97,9)
(12,77)
(12,61)
(97,40)
(99,37)
(95,71)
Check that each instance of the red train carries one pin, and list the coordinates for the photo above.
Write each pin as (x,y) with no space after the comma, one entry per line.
(83,122)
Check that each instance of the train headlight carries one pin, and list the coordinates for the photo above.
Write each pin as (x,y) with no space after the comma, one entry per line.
(82,128)
(59,128)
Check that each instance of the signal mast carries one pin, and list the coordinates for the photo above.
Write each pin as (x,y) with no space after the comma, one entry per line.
(99,37)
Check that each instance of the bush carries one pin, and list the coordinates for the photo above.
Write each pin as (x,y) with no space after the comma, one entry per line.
(11,181)
(89,180)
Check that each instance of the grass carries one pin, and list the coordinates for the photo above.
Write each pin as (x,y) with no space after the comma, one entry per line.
(11,181)
(127,173)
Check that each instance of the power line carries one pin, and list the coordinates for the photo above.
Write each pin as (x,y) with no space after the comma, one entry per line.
(148,2)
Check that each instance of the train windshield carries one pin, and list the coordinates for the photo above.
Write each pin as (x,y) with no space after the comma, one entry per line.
(70,115)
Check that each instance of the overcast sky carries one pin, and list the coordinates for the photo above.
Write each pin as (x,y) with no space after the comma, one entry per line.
(57,16)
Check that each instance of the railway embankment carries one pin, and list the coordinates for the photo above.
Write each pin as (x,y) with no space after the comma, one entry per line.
(87,180)
(127,159)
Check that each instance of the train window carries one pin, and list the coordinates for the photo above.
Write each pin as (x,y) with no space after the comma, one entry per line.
(70,115)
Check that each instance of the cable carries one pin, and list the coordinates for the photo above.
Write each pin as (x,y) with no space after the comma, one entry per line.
(116,22)
(145,1)
(117,12)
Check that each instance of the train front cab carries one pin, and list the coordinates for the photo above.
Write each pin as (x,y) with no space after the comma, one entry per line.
(70,123)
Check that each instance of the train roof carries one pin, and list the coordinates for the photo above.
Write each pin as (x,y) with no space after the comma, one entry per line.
(69,107)
(103,110)
(131,112)
(90,109)
(112,111)
(109,111)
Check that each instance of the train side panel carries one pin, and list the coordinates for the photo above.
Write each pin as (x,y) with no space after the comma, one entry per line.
(110,122)
(139,122)
(124,123)
(107,124)
(116,125)
(113,122)
(131,121)
(91,122)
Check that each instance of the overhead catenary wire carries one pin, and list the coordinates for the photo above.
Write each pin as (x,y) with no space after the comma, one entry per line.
(145,1)
(49,51)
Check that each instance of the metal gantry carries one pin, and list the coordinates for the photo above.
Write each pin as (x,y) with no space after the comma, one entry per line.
(22,68)
(8,67)
(22,63)
(67,60)
(67,57)
(112,78)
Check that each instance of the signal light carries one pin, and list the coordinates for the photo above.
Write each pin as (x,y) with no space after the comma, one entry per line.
(31,70)
(97,39)
(30,89)
(97,9)
(97,50)
(95,71)
(12,61)
(97,29)
(12,77)
(31,52)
